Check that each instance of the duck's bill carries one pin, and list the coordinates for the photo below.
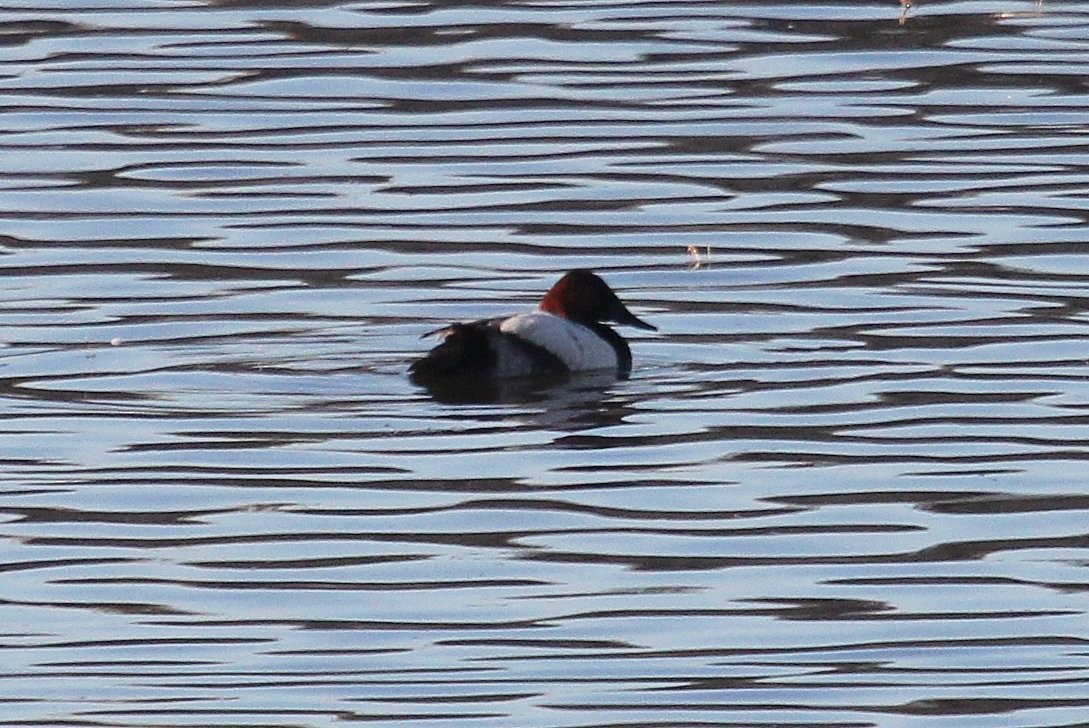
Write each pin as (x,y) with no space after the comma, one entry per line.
(624,316)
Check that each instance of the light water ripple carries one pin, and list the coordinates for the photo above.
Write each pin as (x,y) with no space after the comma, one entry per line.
(840,488)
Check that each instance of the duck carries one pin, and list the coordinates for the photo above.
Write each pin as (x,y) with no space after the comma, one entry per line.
(565,334)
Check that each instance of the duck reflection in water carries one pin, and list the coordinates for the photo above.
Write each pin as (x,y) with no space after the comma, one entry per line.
(524,356)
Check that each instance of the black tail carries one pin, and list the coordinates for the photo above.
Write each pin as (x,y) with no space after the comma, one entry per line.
(466,351)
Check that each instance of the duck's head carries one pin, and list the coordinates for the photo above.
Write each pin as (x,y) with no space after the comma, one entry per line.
(583,297)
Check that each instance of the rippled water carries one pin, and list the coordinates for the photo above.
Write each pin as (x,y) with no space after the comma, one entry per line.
(843,486)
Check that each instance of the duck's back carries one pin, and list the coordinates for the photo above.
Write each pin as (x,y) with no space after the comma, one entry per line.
(484,349)
(579,347)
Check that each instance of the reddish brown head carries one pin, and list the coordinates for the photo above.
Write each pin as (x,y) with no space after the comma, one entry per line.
(583,297)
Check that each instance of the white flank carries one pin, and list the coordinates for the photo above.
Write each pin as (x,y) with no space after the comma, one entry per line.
(575,345)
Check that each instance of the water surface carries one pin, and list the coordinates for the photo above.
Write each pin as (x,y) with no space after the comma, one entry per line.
(843,486)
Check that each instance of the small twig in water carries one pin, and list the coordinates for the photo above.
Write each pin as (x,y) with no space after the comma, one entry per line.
(697,260)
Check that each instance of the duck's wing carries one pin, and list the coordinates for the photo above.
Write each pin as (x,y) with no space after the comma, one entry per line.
(482,349)
(480,325)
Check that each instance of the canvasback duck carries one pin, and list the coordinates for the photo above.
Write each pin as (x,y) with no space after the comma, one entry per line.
(565,334)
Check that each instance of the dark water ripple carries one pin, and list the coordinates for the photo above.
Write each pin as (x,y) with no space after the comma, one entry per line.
(842,487)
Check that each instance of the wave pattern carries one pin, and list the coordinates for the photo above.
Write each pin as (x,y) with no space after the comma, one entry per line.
(840,489)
